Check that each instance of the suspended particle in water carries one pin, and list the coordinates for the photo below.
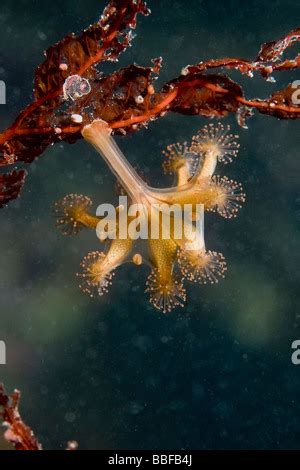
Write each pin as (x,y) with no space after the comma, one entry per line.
(75,87)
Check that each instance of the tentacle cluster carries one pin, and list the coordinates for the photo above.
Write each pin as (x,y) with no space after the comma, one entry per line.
(203,267)
(95,279)
(178,157)
(210,145)
(165,294)
(227,196)
(69,211)
(218,140)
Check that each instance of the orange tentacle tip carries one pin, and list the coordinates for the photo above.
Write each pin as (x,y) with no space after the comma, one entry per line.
(95,276)
(217,139)
(203,267)
(165,293)
(227,196)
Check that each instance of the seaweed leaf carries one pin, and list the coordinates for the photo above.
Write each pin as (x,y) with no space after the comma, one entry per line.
(64,77)
(11,185)
(17,432)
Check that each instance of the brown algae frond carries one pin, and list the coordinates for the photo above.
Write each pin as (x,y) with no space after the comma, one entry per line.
(181,255)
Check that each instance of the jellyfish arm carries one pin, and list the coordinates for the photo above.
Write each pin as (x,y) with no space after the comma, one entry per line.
(198,187)
(165,288)
(98,268)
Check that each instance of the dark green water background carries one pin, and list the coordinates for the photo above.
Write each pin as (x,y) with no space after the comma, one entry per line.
(115,373)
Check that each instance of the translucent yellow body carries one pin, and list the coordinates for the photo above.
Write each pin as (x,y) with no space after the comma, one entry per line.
(174,258)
